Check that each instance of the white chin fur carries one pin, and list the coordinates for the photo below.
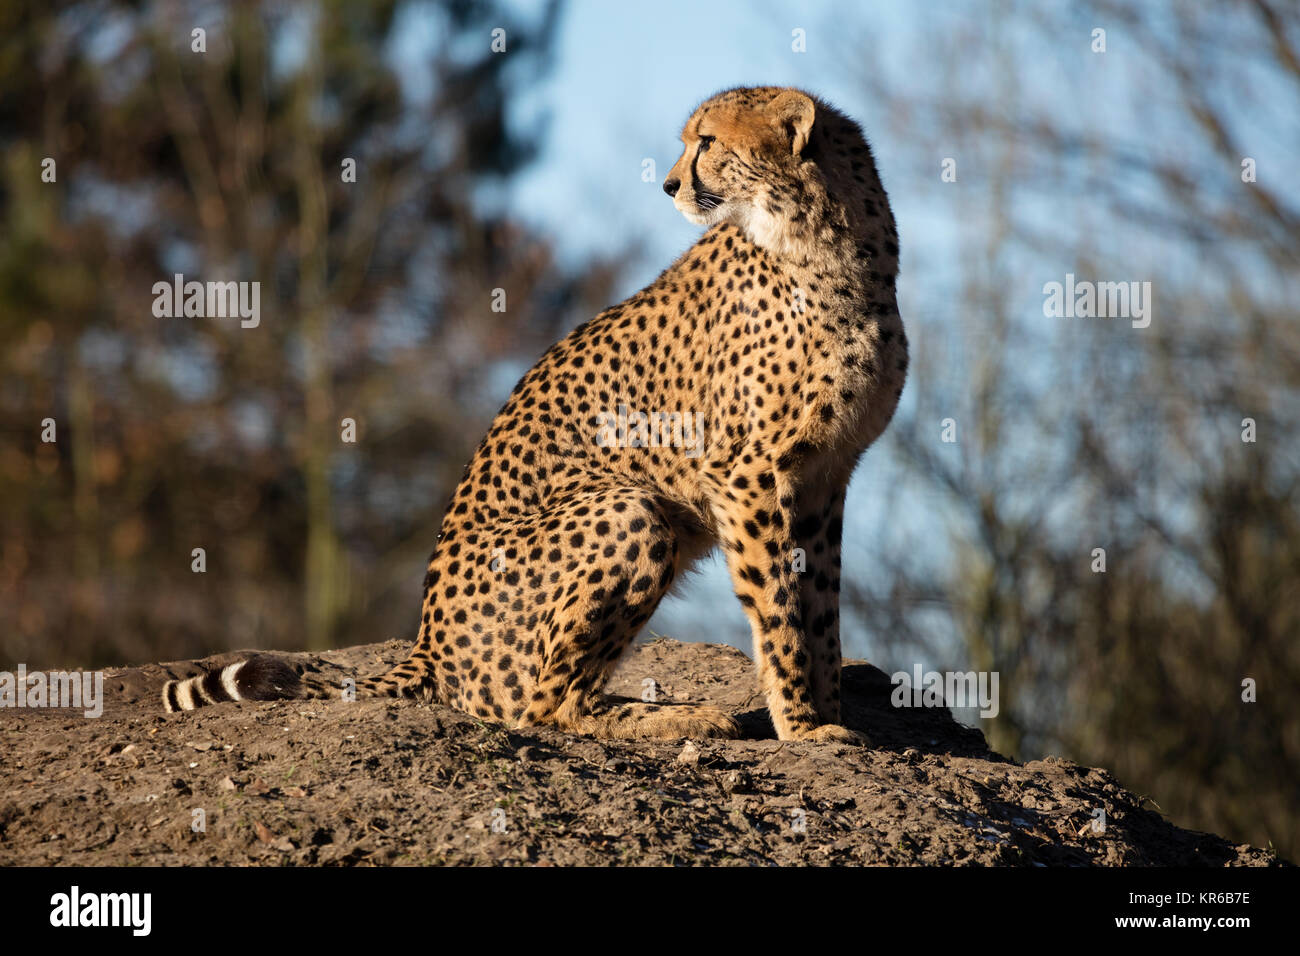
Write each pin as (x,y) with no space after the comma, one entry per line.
(762,228)
(705,217)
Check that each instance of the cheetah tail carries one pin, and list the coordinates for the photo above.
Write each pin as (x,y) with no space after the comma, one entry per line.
(260,677)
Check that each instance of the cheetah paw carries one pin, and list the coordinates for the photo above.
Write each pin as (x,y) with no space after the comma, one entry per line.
(833,733)
(707,722)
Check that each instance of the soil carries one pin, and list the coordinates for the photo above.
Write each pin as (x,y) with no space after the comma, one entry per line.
(395,782)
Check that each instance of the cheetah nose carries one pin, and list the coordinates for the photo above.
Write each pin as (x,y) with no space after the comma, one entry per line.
(671,186)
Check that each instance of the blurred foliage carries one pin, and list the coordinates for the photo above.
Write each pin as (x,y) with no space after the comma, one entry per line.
(1083,434)
(183,433)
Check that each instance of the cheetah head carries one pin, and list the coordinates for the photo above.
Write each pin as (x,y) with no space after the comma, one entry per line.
(742,158)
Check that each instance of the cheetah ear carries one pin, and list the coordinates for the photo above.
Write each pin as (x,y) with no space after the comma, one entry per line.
(793,112)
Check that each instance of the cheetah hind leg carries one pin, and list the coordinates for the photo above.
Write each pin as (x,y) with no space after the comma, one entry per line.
(589,636)
(612,719)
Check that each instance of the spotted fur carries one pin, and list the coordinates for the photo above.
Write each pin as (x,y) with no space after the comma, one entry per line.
(779,327)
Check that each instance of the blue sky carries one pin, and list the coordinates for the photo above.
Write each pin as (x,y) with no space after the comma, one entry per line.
(628,75)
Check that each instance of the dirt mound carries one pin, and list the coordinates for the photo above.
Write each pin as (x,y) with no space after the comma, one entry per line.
(376,782)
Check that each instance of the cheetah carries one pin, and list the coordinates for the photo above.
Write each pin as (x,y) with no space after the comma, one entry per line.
(778,336)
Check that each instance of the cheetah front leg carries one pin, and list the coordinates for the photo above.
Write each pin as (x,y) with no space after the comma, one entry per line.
(756,527)
(817,531)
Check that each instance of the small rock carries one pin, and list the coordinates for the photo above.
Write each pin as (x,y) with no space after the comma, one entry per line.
(737,781)
(270,839)
(690,755)
(227,784)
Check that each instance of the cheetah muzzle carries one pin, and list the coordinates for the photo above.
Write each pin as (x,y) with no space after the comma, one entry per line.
(775,340)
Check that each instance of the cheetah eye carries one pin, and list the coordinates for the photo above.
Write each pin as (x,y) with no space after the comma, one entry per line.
(705,143)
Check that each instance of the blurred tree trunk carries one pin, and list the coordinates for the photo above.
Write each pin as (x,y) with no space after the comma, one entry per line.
(325,579)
